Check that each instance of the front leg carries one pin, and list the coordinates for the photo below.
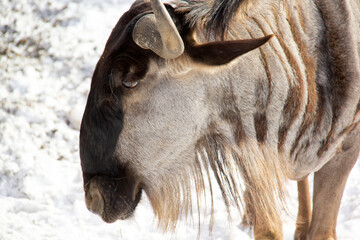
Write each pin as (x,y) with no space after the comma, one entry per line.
(329,184)
(304,213)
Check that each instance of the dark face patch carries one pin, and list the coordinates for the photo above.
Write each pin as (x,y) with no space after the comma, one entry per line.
(102,123)
(122,60)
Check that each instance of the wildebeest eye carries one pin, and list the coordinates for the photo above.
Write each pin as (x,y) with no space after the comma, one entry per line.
(130,84)
(117,79)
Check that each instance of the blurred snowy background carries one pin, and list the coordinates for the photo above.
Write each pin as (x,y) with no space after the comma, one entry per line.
(48,50)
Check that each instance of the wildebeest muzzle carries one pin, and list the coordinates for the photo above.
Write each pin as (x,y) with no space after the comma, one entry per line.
(112,198)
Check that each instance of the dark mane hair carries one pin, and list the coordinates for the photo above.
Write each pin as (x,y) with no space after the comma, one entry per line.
(214,15)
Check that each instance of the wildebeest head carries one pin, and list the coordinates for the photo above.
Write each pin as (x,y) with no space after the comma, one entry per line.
(147,109)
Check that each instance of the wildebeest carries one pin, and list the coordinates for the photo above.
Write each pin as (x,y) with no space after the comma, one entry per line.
(261,91)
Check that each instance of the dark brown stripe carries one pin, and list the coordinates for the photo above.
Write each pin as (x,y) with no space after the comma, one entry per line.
(310,70)
(320,112)
(261,104)
(231,113)
(289,113)
(260,126)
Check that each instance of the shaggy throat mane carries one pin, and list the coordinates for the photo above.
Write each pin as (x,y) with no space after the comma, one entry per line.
(250,177)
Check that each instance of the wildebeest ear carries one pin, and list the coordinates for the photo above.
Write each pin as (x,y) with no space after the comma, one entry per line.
(222,52)
(157,32)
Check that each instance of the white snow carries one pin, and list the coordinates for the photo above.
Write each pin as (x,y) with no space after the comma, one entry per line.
(48,50)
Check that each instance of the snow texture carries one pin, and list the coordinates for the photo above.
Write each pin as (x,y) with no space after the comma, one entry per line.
(48,50)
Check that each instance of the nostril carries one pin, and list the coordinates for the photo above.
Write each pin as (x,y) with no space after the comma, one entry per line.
(94,201)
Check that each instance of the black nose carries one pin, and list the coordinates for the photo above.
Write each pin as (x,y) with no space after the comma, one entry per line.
(112,198)
(94,200)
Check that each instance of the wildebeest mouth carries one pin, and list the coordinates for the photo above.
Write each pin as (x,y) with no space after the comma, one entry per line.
(112,198)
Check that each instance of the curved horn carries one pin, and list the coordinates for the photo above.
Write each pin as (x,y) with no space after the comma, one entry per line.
(158,33)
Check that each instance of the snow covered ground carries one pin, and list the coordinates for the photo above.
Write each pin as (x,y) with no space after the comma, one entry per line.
(48,50)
